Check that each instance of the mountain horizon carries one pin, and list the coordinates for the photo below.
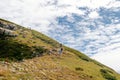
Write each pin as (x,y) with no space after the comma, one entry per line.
(27,55)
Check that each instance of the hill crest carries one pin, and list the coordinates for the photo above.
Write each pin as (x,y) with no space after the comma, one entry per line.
(26,56)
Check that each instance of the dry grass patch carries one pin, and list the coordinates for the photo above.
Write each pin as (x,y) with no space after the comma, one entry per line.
(3,72)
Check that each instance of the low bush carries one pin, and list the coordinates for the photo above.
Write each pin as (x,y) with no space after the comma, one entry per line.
(107,75)
(15,51)
(79,69)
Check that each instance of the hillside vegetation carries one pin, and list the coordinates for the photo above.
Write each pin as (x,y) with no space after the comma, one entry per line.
(24,55)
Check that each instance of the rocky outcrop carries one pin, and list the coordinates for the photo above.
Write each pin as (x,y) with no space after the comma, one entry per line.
(7,26)
(7,30)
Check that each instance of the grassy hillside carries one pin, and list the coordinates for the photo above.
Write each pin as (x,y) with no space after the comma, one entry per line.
(26,57)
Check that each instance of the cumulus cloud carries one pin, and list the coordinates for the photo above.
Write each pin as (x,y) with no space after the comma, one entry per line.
(94,14)
(91,26)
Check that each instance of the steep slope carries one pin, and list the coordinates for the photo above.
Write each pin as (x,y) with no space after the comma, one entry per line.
(26,57)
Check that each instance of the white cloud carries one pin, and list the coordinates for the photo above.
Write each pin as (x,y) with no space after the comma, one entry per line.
(94,14)
(110,53)
(93,4)
(30,12)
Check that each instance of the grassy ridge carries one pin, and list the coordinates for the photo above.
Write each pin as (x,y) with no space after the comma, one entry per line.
(31,49)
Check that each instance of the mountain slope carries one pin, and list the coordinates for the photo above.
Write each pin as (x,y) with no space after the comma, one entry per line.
(26,57)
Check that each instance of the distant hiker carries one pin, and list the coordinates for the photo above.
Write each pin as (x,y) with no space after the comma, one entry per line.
(60,51)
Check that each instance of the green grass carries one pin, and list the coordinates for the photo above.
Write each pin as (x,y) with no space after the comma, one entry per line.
(30,48)
(107,75)
(80,55)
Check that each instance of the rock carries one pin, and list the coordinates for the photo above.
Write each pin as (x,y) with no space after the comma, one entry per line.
(7,32)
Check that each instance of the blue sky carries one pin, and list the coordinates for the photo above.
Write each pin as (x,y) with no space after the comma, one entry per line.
(90,26)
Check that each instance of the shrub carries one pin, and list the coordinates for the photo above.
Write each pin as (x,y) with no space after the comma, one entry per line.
(13,50)
(99,64)
(79,69)
(107,75)
(38,50)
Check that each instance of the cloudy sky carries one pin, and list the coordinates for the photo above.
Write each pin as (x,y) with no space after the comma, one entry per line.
(90,26)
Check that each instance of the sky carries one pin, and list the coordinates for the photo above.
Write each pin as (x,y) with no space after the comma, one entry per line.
(90,26)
